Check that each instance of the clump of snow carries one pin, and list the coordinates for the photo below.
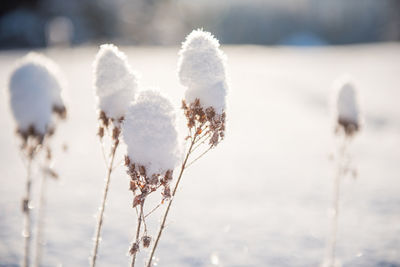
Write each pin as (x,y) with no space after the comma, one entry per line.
(201,69)
(115,82)
(150,134)
(35,89)
(346,102)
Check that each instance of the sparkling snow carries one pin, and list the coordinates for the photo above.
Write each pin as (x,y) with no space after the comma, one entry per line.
(201,69)
(35,87)
(346,101)
(150,133)
(261,198)
(115,82)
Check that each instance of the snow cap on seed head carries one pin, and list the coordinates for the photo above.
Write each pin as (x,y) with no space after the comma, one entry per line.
(36,86)
(346,107)
(115,82)
(201,70)
(150,134)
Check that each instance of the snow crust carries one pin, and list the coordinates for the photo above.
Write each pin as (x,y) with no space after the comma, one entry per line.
(150,134)
(201,70)
(35,87)
(346,101)
(115,81)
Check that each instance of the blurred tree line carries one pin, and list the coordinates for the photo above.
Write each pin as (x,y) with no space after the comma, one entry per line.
(38,23)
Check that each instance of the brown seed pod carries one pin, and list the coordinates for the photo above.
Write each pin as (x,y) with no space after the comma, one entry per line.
(146,241)
(134,249)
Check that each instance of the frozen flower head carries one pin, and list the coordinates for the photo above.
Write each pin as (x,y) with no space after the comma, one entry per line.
(35,93)
(202,71)
(346,112)
(150,134)
(115,83)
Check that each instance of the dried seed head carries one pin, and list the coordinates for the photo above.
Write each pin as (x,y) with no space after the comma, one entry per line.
(134,249)
(133,186)
(166,193)
(346,110)
(138,200)
(349,127)
(153,180)
(168,177)
(101,132)
(61,111)
(146,241)
(202,120)
(116,132)
(142,170)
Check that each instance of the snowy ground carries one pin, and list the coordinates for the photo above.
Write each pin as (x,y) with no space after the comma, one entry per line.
(259,199)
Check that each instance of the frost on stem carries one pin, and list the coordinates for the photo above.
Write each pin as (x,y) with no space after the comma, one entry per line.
(150,134)
(346,108)
(202,71)
(35,88)
(115,85)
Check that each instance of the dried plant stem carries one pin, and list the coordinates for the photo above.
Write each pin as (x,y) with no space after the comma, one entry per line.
(103,204)
(153,210)
(139,223)
(340,170)
(40,220)
(164,219)
(27,214)
(200,156)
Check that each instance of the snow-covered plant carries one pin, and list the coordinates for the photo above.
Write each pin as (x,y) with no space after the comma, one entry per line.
(347,122)
(151,137)
(35,94)
(115,88)
(347,112)
(115,83)
(35,89)
(201,70)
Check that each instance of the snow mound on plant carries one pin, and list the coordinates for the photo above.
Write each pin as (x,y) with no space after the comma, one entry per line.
(346,101)
(115,82)
(201,70)
(150,134)
(35,89)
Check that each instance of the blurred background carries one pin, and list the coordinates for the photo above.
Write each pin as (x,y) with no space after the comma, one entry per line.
(263,197)
(40,23)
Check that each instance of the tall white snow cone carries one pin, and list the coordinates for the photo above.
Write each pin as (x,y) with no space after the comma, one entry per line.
(150,134)
(115,82)
(35,89)
(201,69)
(347,113)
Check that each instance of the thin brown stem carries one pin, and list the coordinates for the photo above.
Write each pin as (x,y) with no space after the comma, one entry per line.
(139,223)
(164,219)
(340,170)
(103,204)
(153,210)
(27,214)
(202,142)
(40,220)
(200,156)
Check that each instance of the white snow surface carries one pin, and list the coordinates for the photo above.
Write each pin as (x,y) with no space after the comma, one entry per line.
(35,86)
(115,81)
(150,133)
(346,101)
(201,70)
(261,198)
